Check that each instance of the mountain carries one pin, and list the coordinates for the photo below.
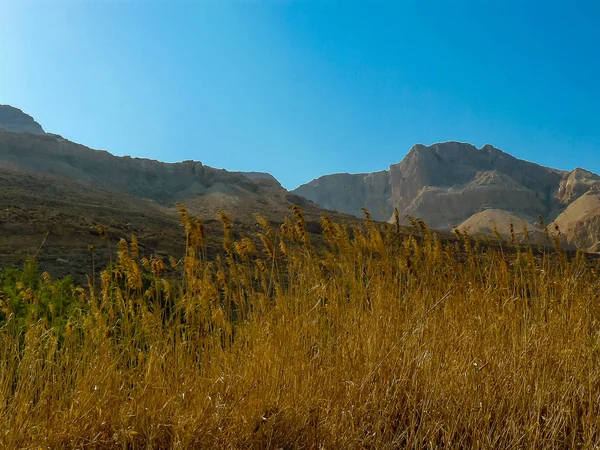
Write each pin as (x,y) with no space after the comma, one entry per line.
(16,121)
(57,192)
(206,188)
(455,184)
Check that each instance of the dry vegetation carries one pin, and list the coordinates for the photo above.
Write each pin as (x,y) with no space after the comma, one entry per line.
(378,340)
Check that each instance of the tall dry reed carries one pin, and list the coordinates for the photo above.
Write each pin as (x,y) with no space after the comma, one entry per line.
(381,339)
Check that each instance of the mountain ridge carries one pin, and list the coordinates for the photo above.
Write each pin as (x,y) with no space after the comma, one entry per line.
(56,193)
(446,184)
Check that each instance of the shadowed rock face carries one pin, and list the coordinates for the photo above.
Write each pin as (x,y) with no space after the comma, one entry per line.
(258,175)
(16,121)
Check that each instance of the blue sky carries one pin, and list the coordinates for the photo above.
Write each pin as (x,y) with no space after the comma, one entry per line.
(309,87)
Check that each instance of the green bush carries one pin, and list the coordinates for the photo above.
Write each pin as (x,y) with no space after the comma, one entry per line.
(26,296)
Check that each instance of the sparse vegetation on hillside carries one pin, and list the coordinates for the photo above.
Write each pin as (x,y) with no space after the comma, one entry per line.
(379,340)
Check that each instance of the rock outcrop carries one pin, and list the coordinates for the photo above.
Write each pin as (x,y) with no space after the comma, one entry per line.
(445,184)
(258,176)
(574,184)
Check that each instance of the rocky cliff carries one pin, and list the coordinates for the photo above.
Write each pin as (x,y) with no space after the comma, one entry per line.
(443,184)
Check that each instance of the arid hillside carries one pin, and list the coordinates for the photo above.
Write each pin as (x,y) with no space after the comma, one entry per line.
(55,192)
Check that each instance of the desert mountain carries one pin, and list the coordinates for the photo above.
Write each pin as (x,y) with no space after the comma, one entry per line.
(455,184)
(16,121)
(49,185)
(207,189)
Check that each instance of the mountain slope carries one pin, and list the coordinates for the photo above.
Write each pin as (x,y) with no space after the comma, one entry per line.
(205,188)
(56,192)
(349,193)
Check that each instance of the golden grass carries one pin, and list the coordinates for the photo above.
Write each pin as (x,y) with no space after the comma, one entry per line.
(377,341)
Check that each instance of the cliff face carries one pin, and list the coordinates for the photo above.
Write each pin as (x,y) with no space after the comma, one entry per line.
(574,184)
(16,121)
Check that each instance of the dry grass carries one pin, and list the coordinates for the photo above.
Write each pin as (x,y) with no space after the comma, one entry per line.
(378,341)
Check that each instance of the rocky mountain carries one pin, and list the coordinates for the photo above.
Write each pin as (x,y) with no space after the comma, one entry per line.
(56,192)
(188,181)
(204,188)
(455,184)
(16,121)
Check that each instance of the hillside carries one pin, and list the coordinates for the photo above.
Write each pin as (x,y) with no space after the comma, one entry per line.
(579,223)
(492,221)
(56,192)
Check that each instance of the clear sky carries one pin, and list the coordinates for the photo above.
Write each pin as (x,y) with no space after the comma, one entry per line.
(308,87)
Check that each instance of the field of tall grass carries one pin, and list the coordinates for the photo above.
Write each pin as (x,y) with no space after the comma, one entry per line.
(374,339)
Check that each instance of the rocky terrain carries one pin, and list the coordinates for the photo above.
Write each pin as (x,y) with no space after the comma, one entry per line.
(455,184)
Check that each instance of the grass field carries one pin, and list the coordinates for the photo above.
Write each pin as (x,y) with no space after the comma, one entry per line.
(377,340)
